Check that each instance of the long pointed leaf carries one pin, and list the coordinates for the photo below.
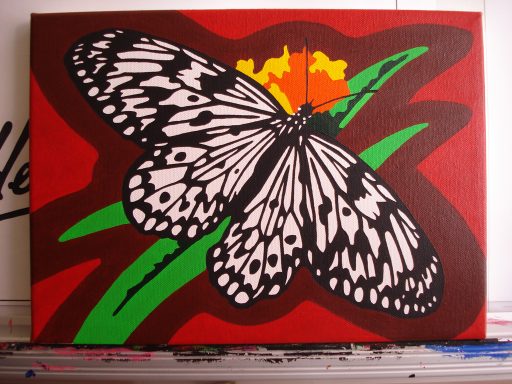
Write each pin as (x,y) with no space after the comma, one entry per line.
(105,218)
(103,327)
(379,152)
(372,78)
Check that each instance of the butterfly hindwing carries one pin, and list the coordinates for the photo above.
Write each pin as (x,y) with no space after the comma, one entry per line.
(369,248)
(152,91)
(181,191)
(262,249)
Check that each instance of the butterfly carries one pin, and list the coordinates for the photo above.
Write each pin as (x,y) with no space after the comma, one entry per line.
(217,144)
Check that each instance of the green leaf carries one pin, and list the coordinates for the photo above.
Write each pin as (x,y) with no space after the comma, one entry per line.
(103,327)
(379,152)
(372,78)
(105,218)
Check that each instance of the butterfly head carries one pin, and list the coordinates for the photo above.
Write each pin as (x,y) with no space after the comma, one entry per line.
(306,110)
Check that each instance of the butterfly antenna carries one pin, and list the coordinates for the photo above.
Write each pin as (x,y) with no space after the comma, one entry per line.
(344,96)
(307,68)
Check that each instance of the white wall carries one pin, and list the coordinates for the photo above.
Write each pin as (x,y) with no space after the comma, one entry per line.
(498,47)
(14,45)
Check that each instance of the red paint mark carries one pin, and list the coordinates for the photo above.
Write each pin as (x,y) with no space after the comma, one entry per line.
(105,354)
(53,368)
(499,322)
(203,329)
(10,326)
(49,294)
(61,162)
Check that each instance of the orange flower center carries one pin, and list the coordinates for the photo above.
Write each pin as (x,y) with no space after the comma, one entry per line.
(285,78)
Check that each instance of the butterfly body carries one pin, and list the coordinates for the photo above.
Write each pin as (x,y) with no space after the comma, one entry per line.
(218,145)
(295,123)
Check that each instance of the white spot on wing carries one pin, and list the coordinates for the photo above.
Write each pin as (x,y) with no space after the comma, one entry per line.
(386,278)
(135,67)
(402,242)
(101,44)
(373,296)
(138,215)
(131,92)
(166,45)
(274,291)
(131,103)
(150,47)
(135,55)
(356,273)
(223,279)
(128,131)
(119,118)
(136,194)
(396,261)
(150,224)
(135,181)
(406,219)
(93,91)
(232,288)
(192,75)
(160,82)
(109,109)
(359,294)
(115,82)
(242,298)
(185,98)
(194,56)
(346,287)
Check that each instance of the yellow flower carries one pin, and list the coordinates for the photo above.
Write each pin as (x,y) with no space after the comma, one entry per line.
(285,78)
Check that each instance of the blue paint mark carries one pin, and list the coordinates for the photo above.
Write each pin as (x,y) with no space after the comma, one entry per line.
(30,373)
(500,351)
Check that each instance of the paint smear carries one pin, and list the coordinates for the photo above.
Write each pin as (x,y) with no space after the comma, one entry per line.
(499,351)
(52,368)
(496,321)
(30,373)
(105,354)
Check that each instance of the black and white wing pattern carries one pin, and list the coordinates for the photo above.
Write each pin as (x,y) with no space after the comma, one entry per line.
(180,191)
(151,90)
(368,247)
(263,246)
(322,207)
(204,125)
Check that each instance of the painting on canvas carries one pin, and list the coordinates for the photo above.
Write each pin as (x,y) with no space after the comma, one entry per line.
(220,177)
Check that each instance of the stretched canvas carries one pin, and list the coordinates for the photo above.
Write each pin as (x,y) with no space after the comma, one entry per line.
(257,176)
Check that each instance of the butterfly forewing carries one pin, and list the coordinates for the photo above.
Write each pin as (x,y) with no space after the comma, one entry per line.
(153,91)
(369,248)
